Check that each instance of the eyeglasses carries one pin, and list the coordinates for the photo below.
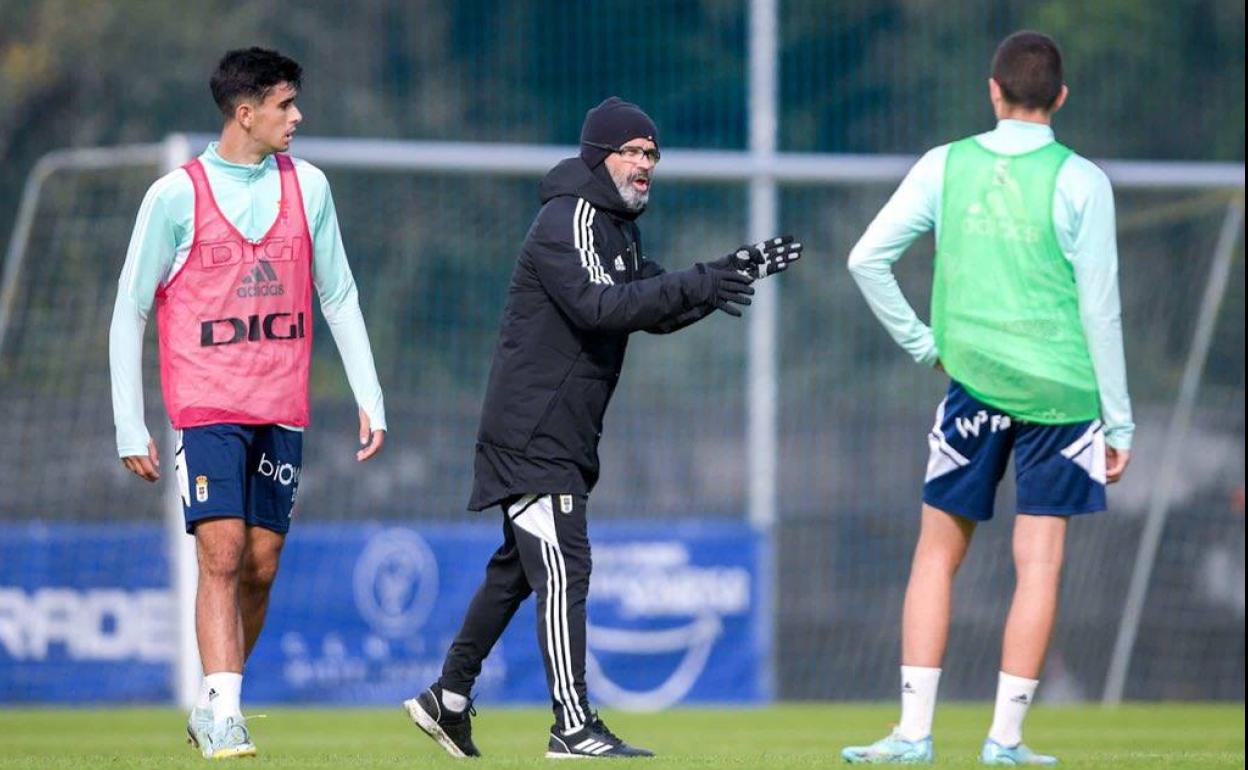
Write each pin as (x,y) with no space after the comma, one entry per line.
(631,152)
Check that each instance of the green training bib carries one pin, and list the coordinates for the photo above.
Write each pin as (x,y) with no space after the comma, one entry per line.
(1005,312)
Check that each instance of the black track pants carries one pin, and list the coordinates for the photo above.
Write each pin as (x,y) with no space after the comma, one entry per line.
(545,551)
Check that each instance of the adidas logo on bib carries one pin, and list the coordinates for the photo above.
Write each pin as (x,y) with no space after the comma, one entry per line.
(261,281)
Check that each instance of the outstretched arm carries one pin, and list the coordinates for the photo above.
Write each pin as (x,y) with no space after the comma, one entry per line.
(755,261)
(561,252)
(651,269)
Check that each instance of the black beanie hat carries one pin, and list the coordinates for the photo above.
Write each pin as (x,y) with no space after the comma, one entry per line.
(613,123)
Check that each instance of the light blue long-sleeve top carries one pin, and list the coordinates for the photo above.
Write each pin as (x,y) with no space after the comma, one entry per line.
(1083,215)
(248,195)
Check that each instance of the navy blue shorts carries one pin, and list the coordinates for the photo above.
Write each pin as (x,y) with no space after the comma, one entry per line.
(248,472)
(1060,469)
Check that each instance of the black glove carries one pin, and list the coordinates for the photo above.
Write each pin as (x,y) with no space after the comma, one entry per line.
(761,259)
(722,288)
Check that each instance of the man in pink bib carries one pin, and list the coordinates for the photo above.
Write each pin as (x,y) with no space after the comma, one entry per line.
(228,250)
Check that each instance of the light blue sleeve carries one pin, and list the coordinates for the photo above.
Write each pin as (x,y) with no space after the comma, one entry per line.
(912,211)
(340,300)
(1090,239)
(153,246)
(125,366)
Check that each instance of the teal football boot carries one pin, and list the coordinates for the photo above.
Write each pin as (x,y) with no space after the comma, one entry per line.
(893,750)
(1013,756)
(230,742)
(198,726)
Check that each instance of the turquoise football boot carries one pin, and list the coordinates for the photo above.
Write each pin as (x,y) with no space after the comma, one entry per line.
(198,726)
(1013,756)
(230,742)
(893,750)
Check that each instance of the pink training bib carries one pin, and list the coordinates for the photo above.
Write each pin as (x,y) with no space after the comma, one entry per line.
(235,324)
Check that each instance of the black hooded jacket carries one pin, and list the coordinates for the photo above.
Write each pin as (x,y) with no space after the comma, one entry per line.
(580,287)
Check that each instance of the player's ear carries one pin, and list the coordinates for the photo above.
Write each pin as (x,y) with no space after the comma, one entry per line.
(994,91)
(1061,98)
(244,113)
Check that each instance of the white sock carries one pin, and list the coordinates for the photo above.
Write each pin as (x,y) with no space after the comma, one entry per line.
(453,701)
(225,690)
(918,701)
(202,702)
(1014,696)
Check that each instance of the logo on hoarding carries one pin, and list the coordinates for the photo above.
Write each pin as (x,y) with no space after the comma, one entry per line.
(396,582)
(665,607)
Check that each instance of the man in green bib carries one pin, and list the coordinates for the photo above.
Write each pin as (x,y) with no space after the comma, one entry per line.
(1026,322)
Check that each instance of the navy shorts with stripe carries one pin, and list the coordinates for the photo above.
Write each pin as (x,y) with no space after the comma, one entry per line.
(248,472)
(1060,469)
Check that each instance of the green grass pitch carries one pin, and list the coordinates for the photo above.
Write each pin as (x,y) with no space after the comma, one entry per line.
(775,738)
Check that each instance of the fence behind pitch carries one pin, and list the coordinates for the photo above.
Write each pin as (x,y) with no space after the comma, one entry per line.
(433,252)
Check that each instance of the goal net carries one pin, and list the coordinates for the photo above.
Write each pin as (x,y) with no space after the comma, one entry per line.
(432,239)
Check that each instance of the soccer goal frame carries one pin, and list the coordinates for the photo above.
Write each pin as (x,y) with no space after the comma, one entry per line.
(761,169)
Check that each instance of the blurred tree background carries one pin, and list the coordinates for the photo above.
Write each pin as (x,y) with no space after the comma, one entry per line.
(1149,79)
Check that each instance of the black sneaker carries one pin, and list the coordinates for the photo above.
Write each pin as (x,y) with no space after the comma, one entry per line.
(452,730)
(592,740)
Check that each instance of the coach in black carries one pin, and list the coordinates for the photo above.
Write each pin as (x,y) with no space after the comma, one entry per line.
(580,287)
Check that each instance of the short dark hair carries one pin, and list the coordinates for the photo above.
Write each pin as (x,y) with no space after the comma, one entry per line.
(249,73)
(1028,67)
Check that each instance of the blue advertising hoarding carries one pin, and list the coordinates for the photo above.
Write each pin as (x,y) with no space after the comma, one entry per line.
(363,613)
(86,614)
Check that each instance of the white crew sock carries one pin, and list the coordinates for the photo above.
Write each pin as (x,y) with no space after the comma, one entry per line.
(453,701)
(225,691)
(918,701)
(202,702)
(1014,696)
